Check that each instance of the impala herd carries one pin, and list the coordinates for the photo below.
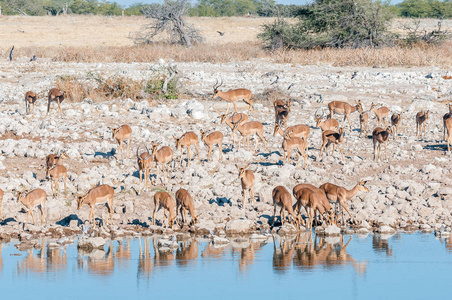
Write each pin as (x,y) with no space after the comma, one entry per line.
(322,203)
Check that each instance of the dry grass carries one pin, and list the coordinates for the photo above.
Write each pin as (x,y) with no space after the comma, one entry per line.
(104,39)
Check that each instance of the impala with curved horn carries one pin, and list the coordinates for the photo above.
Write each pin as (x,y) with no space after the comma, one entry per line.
(250,128)
(328,124)
(236,118)
(233,96)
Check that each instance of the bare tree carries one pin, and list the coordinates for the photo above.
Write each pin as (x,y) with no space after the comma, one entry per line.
(168,17)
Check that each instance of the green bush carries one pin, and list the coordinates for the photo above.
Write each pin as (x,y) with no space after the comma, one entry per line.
(332,23)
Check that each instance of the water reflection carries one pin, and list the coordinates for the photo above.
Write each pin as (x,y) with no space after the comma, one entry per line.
(48,259)
(187,252)
(380,244)
(97,262)
(322,252)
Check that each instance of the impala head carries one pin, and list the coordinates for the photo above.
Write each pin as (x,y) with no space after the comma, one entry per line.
(362,187)
(20,196)
(154,147)
(372,106)
(80,200)
(195,219)
(64,155)
(278,128)
(178,140)
(223,118)
(341,131)
(203,134)
(426,114)
(215,88)
(242,170)
(114,131)
(359,105)
(389,129)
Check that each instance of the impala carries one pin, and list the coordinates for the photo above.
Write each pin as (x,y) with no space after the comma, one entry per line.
(395,122)
(380,136)
(53,159)
(448,125)
(381,113)
(184,202)
(332,137)
(328,124)
(54,173)
(290,143)
(122,133)
(314,199)
(445,117)
(363,120)
(247,179)
(186,141)
(215,138)
(340,195)
(251,128)
(165,201)
(233,96)
(101,194)
(30,99)
(239,119)
(282,198)
(421,120)
(300,131)
(282,110)
(144,161)
(57,96)
(161,156)
(31,200)
(345,109)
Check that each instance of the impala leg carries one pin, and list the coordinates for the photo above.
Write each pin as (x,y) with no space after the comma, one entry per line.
(342,203)
(283,217)
(235,105)
(274,215)
(91,215)
(386,150)
(65,186)
(252,195)
(26,220)
(60,112)
(43,214)
(57,187)
(255,139)
(140,173)
(188,155)
(32,215)
(349,123)
(48,107)
(221,151)
(321,150)
(181,153)
(227,110)
(185,214)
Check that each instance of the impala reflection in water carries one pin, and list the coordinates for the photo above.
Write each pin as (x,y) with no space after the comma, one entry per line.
(232,267)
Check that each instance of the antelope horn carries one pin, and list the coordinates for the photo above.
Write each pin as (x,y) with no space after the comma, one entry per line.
(149,153)
(316,113)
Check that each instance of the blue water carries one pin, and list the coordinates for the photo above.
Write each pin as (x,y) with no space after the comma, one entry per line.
(404,266)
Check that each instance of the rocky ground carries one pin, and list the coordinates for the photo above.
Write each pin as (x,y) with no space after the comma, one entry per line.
(411,190)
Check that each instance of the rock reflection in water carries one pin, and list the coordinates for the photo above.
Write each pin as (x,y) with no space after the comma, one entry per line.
(97,262)
(45,260)
(380,244)
(322,252)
